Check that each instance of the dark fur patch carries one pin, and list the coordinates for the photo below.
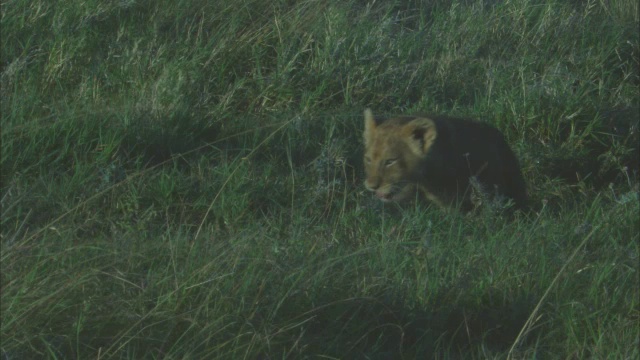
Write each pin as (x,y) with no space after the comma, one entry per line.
(464,149)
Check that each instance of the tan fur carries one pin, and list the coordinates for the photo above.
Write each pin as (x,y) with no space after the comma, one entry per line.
(387,146)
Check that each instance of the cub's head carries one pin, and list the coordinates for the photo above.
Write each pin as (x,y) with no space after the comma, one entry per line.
(393,154)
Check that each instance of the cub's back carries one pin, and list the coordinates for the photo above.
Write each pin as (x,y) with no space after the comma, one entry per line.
(479,149)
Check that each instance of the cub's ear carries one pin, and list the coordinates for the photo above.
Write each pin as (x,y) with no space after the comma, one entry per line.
(420,134)
(369,126)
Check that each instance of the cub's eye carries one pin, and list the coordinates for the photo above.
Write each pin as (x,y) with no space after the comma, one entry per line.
(390,162)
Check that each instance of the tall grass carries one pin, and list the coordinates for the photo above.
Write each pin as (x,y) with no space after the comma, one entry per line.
(182,179)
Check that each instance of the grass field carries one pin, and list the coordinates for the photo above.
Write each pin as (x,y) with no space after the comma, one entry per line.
(183,180)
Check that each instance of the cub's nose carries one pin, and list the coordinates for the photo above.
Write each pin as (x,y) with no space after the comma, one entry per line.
(372,185)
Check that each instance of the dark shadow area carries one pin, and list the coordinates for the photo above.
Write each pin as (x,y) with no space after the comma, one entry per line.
(154,141)
(611,157)
(386,329)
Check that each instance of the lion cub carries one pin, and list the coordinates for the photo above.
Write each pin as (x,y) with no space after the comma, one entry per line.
(447,160)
